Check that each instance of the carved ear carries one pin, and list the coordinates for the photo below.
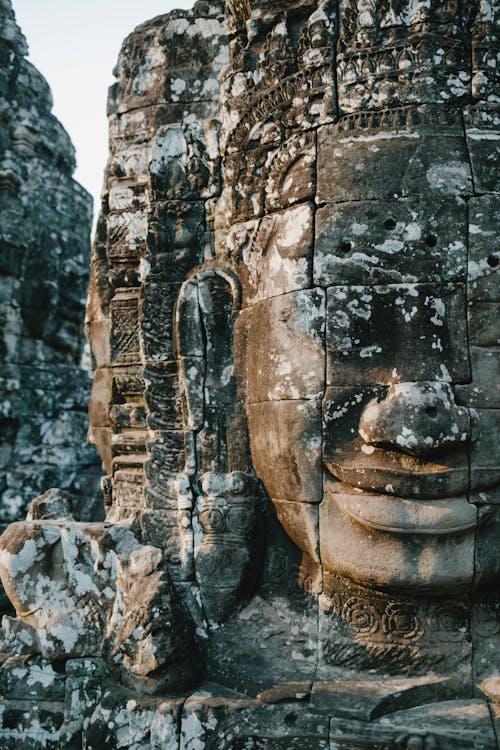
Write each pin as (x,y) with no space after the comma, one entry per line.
(217,511)
(204,336)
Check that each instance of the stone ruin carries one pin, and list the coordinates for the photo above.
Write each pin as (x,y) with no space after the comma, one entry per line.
(44,258)
(293,313)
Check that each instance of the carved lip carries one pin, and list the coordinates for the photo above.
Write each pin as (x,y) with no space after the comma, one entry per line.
(402,515)
(386,472)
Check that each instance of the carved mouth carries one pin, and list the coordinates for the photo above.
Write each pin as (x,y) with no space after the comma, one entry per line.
(410,516)
(387,472)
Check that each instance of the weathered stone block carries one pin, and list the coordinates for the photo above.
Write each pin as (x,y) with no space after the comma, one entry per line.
(84,678)
(444,725)
(391,242)
(261,728)
(286,449)
(40,720)
(483,323)
(485,457)
(486,646)
(369,699)
(158,74)
(195,83)
(243,653)
(164,726)
(202,718)
(484,260)
(487,564)
(495,711)
(12,742)
(123,721)
(481,128)
(372,167)
(396,333)
(279,260)
(31,678)
(484,389)
(285,348)
(139,125)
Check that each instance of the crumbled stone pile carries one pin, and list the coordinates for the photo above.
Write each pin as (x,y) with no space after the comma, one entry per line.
(44,257)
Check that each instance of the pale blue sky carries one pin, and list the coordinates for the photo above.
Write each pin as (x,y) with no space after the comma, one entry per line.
(74,44)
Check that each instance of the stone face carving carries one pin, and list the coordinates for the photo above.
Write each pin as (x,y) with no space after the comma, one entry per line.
(44,256)
(293,312)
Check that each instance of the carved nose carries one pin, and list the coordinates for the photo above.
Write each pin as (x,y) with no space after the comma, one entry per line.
(417,418)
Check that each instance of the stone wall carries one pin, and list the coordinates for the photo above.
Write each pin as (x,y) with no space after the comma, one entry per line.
(156,226)
(44,257)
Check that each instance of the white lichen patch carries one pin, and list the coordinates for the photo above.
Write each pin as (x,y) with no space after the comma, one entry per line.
(451,176)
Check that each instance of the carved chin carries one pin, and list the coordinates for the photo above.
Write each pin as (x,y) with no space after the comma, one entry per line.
(425,546)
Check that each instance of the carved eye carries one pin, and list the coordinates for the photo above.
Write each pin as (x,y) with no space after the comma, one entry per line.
(390,224)
(493,261)
(345,247)
(431,240)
